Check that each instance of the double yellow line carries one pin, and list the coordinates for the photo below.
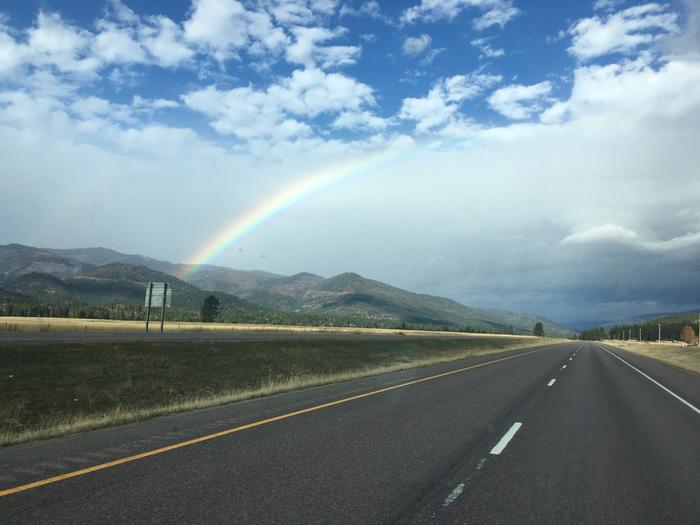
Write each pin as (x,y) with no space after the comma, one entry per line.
(155,452)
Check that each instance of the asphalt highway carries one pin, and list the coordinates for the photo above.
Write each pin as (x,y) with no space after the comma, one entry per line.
(569,433)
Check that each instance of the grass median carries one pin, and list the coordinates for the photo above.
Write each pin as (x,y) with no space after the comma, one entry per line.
(60,388)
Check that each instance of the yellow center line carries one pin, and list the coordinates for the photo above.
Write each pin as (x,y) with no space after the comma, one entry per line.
(174,446)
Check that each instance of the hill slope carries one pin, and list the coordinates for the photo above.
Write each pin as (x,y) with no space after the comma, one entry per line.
(101,275)
(112,284)
(17,260)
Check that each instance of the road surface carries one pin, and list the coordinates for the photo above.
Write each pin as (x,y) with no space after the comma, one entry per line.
(571,433)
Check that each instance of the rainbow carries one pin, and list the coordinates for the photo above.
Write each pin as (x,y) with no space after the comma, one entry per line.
(296,192)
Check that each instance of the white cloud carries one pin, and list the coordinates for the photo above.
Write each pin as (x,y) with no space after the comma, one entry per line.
(494,12)
(219,24)
(358,120)
(225,26)
(630,87)
(252,114)
(94,109)
(606,4)
(370,9)
(616,234)
(498,16)
(415,45)
(139,102)
(164,40)
(518,101)
(11,53)
(622,32)
(483,45)
(432,55)
(292,13)
(118,45)
(306,51)
(300,12)
(122,12)
(53,42)
(324,7)
(442,102)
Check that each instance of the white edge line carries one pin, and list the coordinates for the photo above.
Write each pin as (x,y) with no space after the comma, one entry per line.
(679,398)
(551,382)
(503,443)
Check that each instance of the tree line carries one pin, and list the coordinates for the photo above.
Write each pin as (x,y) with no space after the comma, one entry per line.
(211,311)
(672,329)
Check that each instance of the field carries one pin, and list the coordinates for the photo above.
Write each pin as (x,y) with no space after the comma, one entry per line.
(59,388)
(677,354)
(59,324)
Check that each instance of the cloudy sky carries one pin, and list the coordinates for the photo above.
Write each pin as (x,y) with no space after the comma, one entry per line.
(549,151)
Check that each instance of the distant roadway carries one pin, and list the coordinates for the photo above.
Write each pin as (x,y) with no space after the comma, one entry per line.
(570,433)
(205,335)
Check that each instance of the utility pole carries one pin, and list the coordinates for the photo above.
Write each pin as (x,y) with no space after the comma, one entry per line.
(640,335)
(659,332)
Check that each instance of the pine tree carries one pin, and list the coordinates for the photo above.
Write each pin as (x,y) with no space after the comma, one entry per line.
(538,330)
(210,309)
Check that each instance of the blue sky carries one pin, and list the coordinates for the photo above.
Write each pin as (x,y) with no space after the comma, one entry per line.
(563,137)
(399,50)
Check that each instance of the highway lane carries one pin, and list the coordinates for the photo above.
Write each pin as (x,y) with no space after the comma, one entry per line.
(605,445)
(593,447)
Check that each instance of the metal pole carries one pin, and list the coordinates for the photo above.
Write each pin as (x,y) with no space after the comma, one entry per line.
(640,335)
(148,306)
(659,332)
(162,312)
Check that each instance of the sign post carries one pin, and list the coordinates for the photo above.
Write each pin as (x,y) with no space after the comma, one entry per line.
(158,295)
(162,310)
(149,296)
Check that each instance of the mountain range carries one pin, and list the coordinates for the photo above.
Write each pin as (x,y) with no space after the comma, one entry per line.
(104,276)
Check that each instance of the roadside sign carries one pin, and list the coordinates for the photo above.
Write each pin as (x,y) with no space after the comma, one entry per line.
(158,295)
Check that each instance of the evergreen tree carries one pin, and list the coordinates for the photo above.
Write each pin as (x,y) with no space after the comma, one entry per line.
(538,330)
(210,309)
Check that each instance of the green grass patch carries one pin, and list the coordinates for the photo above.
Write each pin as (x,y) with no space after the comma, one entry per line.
(52,389)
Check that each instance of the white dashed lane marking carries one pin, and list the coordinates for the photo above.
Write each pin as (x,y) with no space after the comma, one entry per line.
(452,497)
(503,443)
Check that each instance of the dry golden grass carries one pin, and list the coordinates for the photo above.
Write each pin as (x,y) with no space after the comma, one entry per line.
(677,354)
(56,324)
(68,424)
